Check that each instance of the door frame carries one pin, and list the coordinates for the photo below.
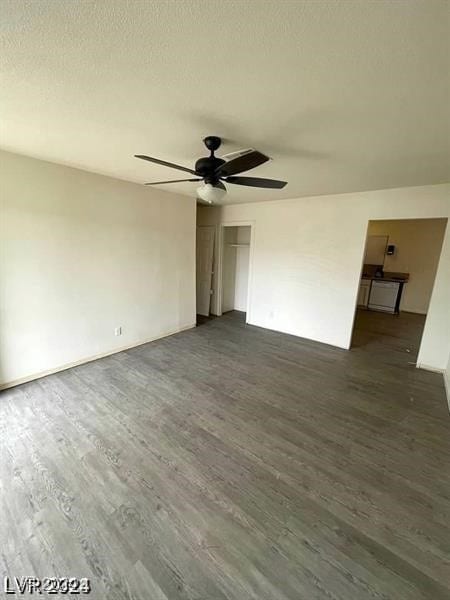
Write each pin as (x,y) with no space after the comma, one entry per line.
(212,263)
(222,226)
(391,218)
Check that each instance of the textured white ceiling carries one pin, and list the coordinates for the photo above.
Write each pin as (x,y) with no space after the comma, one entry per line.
(344,95)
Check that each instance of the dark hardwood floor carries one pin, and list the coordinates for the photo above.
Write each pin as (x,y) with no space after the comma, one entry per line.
(232,462)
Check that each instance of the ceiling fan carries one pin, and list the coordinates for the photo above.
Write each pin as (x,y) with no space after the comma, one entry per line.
(213,171)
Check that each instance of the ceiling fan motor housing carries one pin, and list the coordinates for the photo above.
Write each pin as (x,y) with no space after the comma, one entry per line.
(206,167)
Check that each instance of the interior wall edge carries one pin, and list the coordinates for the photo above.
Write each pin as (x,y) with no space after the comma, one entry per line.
(345,347)
(447,388)
(9,384)
(429,368)
(368,194)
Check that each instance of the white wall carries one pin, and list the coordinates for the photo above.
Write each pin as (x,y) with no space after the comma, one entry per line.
(307,258)
(418,244)
(82,254)
(435,349)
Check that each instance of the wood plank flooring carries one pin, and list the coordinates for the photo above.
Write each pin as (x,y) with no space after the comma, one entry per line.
(233,463)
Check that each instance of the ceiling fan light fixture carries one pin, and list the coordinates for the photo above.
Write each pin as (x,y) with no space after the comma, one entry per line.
(210,193)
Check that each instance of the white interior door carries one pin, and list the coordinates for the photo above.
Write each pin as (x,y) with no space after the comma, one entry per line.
(205,251)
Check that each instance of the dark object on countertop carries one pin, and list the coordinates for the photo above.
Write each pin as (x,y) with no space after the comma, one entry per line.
(379,272)
(369,270)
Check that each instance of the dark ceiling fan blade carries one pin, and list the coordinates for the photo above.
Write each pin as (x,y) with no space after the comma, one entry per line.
(172,181)
(242,163)
(164,163)
(220,185)
(257,182)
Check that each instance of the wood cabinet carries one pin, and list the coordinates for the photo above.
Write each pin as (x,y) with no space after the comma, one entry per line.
(364,292)
(375,249)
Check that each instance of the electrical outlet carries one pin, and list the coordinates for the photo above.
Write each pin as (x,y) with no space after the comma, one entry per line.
(118,331)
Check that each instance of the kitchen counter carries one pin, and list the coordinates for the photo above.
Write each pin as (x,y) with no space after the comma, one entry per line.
(397,277)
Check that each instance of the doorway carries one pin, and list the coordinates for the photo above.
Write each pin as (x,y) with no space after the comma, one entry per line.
(400,262)
(235,268)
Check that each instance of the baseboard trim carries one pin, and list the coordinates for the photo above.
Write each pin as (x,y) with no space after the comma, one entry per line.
(429,368)
(28,378)
(287,332)
(443,372)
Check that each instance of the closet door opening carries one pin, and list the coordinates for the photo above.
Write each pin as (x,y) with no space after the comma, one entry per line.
(235,268)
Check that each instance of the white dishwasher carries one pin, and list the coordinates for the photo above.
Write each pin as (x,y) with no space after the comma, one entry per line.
(383,295)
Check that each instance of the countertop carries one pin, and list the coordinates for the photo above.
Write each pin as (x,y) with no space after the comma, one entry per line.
(388,276)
